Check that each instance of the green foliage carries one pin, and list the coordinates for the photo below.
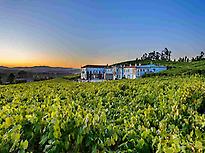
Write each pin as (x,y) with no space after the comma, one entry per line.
(185,68)
(0,80)
(174,68)
(144,115)
(11,78)
(72,77)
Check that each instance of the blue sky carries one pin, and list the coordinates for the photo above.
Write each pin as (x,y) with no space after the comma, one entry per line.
(74,33)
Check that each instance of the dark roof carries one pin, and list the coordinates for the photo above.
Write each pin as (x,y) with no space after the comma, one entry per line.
(94,66)
(130,66)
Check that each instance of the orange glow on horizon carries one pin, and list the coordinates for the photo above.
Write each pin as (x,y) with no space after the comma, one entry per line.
(39,64)
(28,59)
(51,61)
(46,63)
(37,60)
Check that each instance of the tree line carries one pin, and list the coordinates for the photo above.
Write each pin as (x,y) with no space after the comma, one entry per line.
(197,58)
(165,55)
(21,77)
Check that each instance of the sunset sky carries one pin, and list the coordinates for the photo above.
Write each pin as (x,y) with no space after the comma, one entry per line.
(72,33)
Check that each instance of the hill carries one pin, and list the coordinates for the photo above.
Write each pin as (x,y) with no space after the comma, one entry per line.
(40,69)
(36,73)
(174,68)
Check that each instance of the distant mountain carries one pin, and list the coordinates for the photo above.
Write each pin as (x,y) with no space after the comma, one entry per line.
(3,67)
(40,69)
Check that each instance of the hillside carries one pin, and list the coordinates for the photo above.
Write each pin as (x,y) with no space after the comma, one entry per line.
(186,68)
(162,114)
(39,69)
(35,73)
(174,68)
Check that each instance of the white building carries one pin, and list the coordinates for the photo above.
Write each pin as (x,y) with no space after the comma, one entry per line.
(92,72)
(108,73)
(148,69)
(130,72)
(118,72)
(105,72)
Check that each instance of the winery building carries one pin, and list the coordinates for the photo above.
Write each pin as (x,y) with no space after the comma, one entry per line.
(117,72)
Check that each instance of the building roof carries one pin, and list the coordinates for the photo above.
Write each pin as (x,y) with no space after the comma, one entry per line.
(94,66)
(149,66)
(145,66)
(130,66)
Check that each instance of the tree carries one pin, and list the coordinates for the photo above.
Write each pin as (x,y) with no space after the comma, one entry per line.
(187,59)
(11,78)
(0,80)
(144,56)
(198,58)
(137,60)
(192,59)
(157,56)
(167,54)
(22,74)
(151,55)
(183,59)
(180,59)
(163,55)
(202,55)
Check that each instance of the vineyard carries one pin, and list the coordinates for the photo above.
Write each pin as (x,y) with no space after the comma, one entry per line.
(165,114)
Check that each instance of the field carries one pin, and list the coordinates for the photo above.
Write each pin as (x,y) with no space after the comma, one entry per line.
(158,114)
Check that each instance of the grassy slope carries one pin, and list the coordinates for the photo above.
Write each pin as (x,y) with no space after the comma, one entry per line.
(185,68)
(179,68)
(72,77)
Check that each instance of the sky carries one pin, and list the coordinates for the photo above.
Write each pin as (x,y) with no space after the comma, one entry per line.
(73,33)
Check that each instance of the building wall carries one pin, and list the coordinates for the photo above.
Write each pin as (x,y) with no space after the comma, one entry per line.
(108,76)
(83,74)
(108,73)
(147,69)
(161,68)
(118,72)
(130,72)
(92,73)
